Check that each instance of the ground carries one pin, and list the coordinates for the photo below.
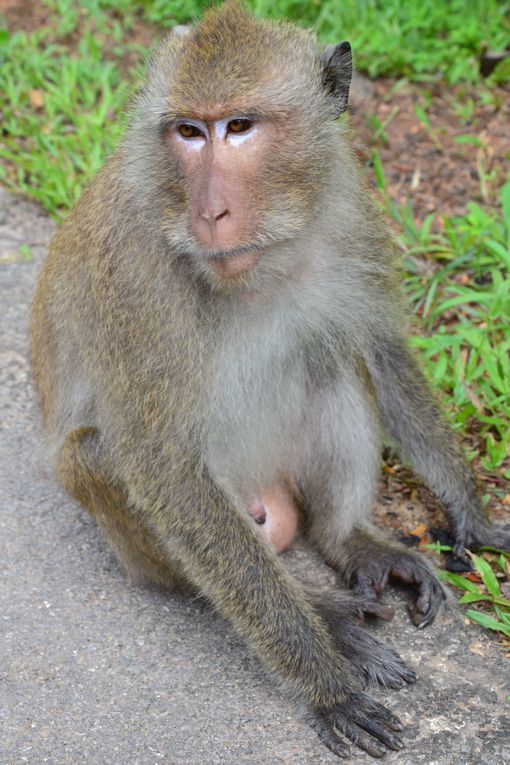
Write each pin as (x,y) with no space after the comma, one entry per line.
(97,670)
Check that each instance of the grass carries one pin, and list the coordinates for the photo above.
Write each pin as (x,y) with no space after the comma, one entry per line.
(484,587)
(458,281)
(58,104)
(395,38)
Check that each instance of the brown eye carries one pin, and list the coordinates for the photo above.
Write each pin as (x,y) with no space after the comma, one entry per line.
(189,131)
(239,126)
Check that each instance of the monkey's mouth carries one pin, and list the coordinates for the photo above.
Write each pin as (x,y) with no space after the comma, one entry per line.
(232,252)
(233,262)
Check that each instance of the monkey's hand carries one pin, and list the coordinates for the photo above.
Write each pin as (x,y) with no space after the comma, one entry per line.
(371,563)
(363,721)
(372,661)
(372,575)
(411,416)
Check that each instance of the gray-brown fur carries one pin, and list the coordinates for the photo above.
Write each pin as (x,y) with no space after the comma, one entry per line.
(168,393)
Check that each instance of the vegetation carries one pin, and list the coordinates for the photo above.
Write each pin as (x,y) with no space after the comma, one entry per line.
(484,585)
(62,85)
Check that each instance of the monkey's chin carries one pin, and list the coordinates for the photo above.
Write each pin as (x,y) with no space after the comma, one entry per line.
(237,262)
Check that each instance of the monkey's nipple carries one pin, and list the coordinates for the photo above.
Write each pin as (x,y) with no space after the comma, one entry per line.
(257,511)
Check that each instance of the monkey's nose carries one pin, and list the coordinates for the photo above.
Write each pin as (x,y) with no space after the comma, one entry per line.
(215,225)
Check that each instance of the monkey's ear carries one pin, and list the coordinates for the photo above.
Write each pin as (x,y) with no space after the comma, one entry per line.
(336,63)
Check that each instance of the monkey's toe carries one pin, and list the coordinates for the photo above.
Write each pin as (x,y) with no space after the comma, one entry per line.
(498,537)
(372,661)
(430,592)
(363,721)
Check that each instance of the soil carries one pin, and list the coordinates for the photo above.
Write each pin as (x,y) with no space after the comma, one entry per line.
(424,164)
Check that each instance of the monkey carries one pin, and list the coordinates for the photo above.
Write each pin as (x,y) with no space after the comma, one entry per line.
(217,346)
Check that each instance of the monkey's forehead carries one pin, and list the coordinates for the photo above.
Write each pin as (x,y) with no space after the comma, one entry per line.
(231,55)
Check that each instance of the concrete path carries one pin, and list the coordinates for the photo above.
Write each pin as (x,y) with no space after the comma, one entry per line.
(96,671)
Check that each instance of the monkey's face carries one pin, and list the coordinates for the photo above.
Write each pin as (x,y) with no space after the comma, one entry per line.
(244,180)
(234,143)
(219,160)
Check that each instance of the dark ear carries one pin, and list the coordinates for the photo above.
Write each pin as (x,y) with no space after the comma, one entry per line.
(336,63)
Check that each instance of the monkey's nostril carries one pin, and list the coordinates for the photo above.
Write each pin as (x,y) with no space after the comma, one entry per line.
(212,217)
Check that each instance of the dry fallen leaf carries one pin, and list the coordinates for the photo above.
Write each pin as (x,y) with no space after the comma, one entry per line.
(420,530)
(36,98)
(479,648)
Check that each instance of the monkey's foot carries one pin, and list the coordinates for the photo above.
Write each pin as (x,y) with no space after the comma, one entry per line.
(363,721)
(486,536)
(370,572)
(371,660)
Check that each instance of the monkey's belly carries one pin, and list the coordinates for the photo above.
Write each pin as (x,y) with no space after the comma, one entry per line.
(275,514)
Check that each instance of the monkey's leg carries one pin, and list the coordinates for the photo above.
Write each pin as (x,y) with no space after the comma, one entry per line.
(411,416)
(83,469)
(339,474)
(341,494)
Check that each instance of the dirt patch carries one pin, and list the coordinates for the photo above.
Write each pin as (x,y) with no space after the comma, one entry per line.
(423,162)
(23,15)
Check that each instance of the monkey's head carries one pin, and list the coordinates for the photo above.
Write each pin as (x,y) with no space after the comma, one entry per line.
(234,139)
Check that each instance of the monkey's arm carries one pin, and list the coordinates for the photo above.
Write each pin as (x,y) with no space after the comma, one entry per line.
(232,566)
(411,416)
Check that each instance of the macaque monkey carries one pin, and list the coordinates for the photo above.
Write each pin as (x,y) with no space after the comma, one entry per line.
(217,345)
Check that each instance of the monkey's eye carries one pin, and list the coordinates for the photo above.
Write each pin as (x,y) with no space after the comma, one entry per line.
(240,125)
(189,131)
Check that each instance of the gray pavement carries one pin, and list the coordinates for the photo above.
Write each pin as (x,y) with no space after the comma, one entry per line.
(95,670)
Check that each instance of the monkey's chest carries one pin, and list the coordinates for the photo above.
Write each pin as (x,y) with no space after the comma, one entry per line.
(255,424)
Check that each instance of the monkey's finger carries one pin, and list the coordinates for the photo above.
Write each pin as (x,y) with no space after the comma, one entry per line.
(376,729)
(359,737)
(400,674)
(328,736)
(369,585)
(404,572)
(380,712)
(375,608)
(426,607)
(385,669)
